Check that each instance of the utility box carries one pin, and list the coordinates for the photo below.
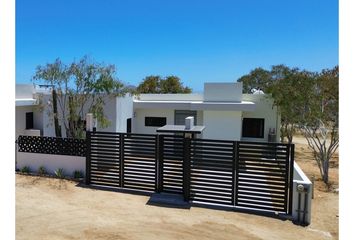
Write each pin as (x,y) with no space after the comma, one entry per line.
(189,122)
(272,136)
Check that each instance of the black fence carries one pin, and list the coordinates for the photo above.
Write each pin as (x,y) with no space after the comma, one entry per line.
(52,145)
(248,175)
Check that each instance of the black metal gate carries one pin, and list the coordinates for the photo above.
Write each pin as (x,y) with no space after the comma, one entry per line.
(122,160)
(247,175)
(264,173)
(171,158)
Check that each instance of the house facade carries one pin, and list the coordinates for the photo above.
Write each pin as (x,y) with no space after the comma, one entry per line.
(28,116)
(225,112)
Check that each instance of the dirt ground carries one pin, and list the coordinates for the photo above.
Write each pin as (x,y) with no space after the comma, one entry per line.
(48,208)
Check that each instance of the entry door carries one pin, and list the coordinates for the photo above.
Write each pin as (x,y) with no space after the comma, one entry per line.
(129,125)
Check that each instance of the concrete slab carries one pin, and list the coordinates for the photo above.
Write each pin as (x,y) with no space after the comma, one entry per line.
(168,200)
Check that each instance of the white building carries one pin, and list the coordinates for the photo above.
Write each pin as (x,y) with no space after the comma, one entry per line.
(28,117)
(225,112)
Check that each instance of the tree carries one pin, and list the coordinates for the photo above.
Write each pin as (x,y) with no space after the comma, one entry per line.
(80,88)
(156,84)
(150,84)
(257,79)
(291,90)
(320,121)
(52,73)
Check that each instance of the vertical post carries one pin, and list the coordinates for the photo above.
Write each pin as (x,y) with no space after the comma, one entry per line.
(89,122)
(156,162)
(235,172)
(287,179)
(160,164)
(121,160)
(313,179)
(291,177)
(186,169)
(88,158)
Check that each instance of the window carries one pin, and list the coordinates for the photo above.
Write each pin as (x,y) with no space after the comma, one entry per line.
(253,127)
(180,116)
(155,121)
(29,120)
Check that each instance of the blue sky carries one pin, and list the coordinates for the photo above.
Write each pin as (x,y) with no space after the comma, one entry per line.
(199,41)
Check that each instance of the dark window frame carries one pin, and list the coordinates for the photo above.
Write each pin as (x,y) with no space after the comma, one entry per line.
(155,121)
(253,127)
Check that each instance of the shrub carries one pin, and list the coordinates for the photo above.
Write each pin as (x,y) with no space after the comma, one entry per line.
(78,174)
(42,170)
(25,169)
(59,173)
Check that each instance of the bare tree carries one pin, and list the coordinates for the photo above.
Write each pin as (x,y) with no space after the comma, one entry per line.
(321,120)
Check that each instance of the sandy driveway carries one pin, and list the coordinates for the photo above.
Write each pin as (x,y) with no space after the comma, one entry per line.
(58,209)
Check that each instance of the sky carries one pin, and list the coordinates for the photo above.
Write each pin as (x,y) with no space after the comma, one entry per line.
(198,41)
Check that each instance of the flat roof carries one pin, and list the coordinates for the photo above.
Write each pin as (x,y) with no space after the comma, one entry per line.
(26,102)
(196,105)
(180,129)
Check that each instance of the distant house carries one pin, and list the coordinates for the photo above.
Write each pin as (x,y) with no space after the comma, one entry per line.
(225,112)
(28,117)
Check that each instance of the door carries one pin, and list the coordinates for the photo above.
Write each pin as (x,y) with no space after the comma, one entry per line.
(129,125)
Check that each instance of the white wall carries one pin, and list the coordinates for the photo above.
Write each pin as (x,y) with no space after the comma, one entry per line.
(170,97)
(224,125)
(51,162)
(111,110)
(138,121)
(110,107)
(24,91)
(224,92)
(124,110)
(264,109)
(301,179)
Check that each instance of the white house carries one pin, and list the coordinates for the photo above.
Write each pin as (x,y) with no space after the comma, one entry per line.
(225,112)
(29,119)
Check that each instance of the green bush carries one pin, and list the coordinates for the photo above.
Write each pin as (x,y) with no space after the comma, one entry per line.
(42,170)
(59,173)
(78,174)
(25,169)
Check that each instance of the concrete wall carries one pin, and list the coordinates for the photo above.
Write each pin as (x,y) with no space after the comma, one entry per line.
(170,97)
(138,120)
(124,110)
(117,110)
(110,106)
(224,92)
(24,91)
(51,162)
(222,125)
(299,198)
(264,109)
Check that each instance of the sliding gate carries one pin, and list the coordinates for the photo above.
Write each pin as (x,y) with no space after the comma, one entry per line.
(122,160)
(247,175)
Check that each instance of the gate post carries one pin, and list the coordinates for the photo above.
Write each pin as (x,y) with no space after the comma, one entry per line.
(88,158)
(291,177)
(235,173)
(159,171)
(186,168)
(121,159)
